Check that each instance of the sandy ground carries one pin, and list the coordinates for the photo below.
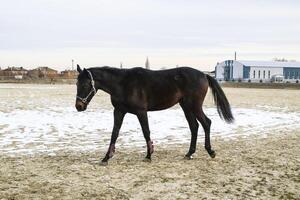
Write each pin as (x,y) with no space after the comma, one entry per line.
(254,167)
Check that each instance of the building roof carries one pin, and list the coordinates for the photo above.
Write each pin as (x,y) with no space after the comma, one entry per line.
(269,63)
(14,69)
(69,70)
(44,69)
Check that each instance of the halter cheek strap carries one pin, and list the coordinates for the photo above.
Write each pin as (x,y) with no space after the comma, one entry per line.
(93,90)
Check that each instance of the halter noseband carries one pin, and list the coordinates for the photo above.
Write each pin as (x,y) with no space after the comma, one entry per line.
(93,90)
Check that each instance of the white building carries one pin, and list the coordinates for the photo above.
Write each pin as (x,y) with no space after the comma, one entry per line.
(257,71)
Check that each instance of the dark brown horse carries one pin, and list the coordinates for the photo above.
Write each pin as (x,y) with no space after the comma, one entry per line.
(139,90)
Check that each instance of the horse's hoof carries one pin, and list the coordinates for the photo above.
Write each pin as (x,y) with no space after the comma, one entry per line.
(187,157)
(147,160)
(103,163)
(212,154)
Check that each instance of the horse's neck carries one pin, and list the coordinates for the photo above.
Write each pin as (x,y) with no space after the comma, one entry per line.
(109,81)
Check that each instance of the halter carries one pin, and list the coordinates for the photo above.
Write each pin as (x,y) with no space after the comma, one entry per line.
(93,90)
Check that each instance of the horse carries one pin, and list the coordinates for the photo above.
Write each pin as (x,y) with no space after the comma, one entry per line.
(139,90)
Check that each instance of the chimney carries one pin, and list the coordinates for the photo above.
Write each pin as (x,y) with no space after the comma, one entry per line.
(235,55)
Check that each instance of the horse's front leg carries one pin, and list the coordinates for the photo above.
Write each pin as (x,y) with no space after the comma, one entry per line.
(118,120)
(143,119)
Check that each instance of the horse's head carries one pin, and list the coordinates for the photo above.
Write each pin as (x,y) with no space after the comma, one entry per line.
(85,89)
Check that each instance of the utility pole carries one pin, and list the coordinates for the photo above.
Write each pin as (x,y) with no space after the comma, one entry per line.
(121,65)
(72,65)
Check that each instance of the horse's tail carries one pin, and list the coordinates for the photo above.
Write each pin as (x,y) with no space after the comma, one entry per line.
(220,99)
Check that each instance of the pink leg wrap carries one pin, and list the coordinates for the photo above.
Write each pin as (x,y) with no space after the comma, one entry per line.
(150,146)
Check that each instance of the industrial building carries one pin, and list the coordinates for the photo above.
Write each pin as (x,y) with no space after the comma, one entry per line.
(258,71)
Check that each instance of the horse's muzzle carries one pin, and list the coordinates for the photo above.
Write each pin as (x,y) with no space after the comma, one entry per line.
(80,106)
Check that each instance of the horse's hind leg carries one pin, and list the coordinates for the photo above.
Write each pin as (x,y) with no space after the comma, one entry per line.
(143,119)
(206,123)
(193,124)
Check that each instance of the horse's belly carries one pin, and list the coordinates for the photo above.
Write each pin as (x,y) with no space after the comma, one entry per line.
(163,102)
(160,107)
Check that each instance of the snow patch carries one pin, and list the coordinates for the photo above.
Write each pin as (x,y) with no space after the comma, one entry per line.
(63,128)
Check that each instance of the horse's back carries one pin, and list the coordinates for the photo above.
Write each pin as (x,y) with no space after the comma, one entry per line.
(184,79)
(175,74)
(162,88)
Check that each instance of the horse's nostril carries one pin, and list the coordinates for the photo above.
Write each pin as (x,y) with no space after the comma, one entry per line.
(78,107)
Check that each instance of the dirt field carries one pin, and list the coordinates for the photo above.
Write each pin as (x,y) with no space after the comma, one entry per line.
(253,168)
(259,166)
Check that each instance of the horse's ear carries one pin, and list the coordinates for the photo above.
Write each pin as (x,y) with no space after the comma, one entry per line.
(79,69)
(84,71)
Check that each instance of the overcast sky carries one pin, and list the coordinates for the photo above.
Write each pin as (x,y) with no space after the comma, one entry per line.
(170,32)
